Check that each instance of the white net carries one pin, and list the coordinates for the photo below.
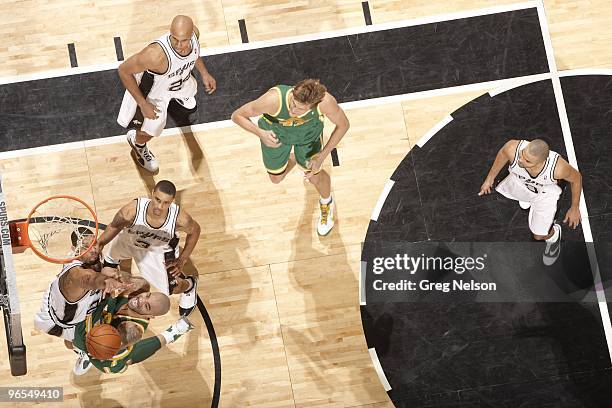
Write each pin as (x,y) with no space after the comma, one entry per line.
(61,228)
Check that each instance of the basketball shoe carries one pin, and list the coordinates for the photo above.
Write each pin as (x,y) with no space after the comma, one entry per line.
(326,218)
(82,364)
(143,155)
(553,246)
(189,298)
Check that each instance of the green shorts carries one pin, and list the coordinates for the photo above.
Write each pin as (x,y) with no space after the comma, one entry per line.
(275,159)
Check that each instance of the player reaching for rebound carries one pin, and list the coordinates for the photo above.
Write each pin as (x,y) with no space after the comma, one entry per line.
(146,230)
(535,171)
(130,316)
(76,290)
(153,77)
(292,118)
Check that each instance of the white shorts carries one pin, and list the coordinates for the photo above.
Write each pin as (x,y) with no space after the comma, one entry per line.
(44,322)
(543,205)
(158,97)
(150,262)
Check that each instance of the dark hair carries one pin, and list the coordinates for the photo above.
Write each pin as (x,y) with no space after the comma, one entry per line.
(77,235)
(166,187)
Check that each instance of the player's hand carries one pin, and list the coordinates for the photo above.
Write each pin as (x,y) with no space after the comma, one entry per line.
(175,266)
(210,84)
(114,287)
(269,138)
(149,110)
(314,165)
(572,217)
(486,187)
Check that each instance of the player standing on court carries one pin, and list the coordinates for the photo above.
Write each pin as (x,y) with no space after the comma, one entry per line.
(535,171)
(292,118)
(145,229)
(154,76)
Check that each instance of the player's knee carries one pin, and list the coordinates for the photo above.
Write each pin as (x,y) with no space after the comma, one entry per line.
(276,178)
(68,344)
(539,237)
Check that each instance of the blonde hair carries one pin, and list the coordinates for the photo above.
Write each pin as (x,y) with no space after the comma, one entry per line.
(309,91)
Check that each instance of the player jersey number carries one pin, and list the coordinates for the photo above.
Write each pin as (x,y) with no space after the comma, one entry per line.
(142,244)
(176,85)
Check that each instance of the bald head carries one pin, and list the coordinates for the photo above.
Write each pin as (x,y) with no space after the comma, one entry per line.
(160,304)
(538,149)
(181,26)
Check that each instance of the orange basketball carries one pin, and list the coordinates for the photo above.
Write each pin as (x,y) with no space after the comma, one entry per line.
(103,341)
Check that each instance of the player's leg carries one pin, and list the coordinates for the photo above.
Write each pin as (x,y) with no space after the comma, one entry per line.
(186,286)
(321,181)
(117,250)
(278,161)
(150,128)
(544,228)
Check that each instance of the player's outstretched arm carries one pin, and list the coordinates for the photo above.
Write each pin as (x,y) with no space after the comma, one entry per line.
(80,280)
(130,333)
(565,171)
(124,217)
(191,227)
(330,108)
(267,103)
(151,58)
(504,156)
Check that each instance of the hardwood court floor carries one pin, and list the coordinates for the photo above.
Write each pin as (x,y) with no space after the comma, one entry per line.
(284,301)
(37,33)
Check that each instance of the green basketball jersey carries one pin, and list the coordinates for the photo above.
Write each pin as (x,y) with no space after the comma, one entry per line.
(107,312)
(292,130)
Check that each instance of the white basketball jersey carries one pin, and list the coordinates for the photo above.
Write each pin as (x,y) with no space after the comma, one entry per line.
(142,235)
(67,314)
(544,183)
(179,67)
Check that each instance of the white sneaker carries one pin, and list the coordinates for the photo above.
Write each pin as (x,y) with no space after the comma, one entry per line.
(553,248)
(187,103)
(326,218)
(142,154)
(82,364)
(189,299)
(524,205)
(178,328)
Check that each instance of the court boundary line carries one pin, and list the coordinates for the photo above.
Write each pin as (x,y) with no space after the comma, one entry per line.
(571,156)
(504,8)
(364,103)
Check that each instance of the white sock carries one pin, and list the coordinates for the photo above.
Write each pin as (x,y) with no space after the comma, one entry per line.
(325,200)
(555,235)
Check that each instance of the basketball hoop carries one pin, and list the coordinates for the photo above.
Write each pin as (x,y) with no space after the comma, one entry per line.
(59,229)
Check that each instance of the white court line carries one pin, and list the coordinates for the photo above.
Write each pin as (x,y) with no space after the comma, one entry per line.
(519,82)
(381,199)
(291,40)
(431,132)
(571,156)
(227,123)
(379,370)
(585,71)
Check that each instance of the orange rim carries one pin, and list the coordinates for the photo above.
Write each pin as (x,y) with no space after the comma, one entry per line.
(60,260)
